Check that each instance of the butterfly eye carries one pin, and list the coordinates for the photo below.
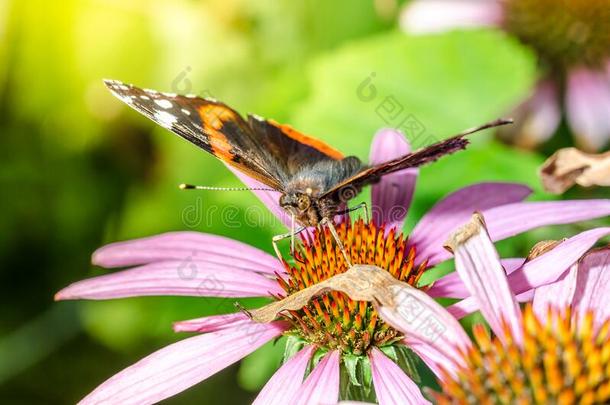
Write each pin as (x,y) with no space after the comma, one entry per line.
(303,202)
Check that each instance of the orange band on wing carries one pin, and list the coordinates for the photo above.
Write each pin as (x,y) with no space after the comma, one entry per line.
(309,141)
(215,115)
(213,118)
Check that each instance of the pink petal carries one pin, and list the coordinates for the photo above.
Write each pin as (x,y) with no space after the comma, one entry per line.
(537,118)
(469,305)
(448,286)
(543,270)
(271,199)
(181,365)
(286,381)
(463,308)
(527,296)
(559,294)
(423,320)
(548,267)
(593,293)
(512,219)
(434,357)
(173,278)
(430,16)
(211,323)
(392,386)
(186,246)
(478,264)
(352,403)
(322,385)
(391,196)
(448,214)
(545,113)
(587,105)
(451,285)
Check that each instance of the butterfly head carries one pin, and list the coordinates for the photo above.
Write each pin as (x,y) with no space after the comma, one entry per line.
(295,202)
(301,206)
(305,204)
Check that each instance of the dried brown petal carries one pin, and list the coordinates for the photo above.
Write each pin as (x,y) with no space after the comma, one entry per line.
(360,283)
(570,166)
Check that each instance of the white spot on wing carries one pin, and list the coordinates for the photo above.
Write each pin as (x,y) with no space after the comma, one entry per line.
(124,98)
(187,112)
(145,97)
(163,103)
(165,119)
(149,91)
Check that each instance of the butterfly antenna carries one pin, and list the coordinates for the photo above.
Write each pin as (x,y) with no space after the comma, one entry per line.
(184,186)
(492,124)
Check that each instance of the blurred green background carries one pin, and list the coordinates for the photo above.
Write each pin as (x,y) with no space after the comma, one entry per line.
(79,169)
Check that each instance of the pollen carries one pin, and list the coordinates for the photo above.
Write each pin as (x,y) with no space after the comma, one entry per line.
(561,361)
(333,320)
(564,33)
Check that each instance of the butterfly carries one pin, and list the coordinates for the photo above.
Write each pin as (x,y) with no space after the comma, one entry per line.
(314,179)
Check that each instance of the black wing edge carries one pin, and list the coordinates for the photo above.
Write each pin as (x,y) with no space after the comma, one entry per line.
(418,158)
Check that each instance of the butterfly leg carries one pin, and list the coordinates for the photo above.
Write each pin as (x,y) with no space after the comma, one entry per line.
(292,238)
(363,204)
(283,236)
(333,231)
(292,234)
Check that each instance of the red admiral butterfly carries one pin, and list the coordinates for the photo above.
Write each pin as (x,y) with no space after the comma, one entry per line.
(313,178)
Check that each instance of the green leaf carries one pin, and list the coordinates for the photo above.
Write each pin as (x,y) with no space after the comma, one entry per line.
(405,358)
(407,361)
(293,345)
(315,359)
(367,375)
(356,379)
(411,364)
(390,351)
(350,363)
(438,85)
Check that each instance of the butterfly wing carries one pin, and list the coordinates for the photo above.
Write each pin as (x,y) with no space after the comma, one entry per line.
(418,158)
(209,124)
(297,150)
(263,149)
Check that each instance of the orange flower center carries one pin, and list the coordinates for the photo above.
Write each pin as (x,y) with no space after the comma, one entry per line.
(560,362)
(333,320)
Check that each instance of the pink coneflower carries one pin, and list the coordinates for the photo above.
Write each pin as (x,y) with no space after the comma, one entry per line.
(556,350)
(334,326)
(572,41)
